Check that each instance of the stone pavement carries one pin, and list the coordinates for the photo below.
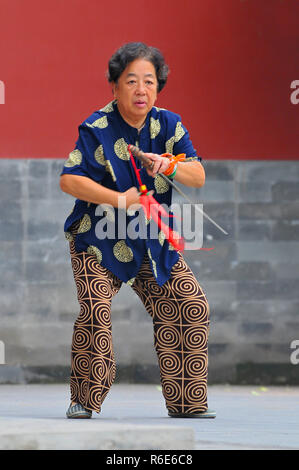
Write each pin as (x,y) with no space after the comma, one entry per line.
(134,417)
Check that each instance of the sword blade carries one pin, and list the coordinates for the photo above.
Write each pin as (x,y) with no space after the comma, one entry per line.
(145,162)
(198,209)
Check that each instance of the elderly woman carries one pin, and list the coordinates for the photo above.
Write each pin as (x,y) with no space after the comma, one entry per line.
(100,175)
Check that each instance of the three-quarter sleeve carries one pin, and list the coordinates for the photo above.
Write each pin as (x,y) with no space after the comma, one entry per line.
(183,143)
(87,158)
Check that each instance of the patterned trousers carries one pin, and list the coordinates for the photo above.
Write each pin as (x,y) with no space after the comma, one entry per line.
(180,315)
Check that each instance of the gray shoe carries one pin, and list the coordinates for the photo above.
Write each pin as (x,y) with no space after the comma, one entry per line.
(200,414)
(77,411)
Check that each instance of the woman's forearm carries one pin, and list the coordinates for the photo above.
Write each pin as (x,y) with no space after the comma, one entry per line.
(190,174)
(86,189)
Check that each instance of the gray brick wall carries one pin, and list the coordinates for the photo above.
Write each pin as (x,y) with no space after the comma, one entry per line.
(251,277)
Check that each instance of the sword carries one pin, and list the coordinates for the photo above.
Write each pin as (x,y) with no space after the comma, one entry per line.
(146,163)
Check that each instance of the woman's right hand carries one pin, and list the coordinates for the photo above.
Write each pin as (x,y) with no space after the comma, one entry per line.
(130,197)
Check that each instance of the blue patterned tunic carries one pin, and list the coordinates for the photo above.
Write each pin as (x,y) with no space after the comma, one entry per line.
(101,154)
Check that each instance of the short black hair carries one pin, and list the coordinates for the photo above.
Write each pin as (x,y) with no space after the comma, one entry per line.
(137,50)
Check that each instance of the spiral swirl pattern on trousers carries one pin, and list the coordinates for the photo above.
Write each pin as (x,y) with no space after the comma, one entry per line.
(180,314)
(92,359)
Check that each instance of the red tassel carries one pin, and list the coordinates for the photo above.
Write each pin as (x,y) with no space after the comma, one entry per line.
(153,209)
(144,200)
(135,167)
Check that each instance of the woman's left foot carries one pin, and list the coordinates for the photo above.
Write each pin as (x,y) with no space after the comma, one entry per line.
(75,410)
(200,414)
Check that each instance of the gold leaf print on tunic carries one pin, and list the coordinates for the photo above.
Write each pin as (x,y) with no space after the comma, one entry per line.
(162,238)
(101,123)
(75,158)
(122,252)
(108,212)
(93,250)
(108,108)
(147,221)
(179,132)
(85,224)
(110,170)
(155,127)
(99,155)
(131,281)
(121,149)
(161,185)
(101,160)
(68,236)
(153,262)
(169,145)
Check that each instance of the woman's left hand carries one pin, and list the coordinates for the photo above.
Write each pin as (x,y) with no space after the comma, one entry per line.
(160,164)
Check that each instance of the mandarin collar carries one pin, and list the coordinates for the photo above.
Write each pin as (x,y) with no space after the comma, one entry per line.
(128,127)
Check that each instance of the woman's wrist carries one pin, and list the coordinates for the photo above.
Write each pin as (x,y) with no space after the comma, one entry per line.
(172,175)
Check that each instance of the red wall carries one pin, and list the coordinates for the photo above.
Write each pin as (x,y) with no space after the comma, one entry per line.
(232,63)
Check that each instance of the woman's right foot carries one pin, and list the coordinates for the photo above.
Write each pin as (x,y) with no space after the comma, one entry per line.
(77,411)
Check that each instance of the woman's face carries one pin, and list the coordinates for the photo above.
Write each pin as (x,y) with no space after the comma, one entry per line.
(136,91)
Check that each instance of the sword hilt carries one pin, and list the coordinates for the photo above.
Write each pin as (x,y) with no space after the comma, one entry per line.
(146,162)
